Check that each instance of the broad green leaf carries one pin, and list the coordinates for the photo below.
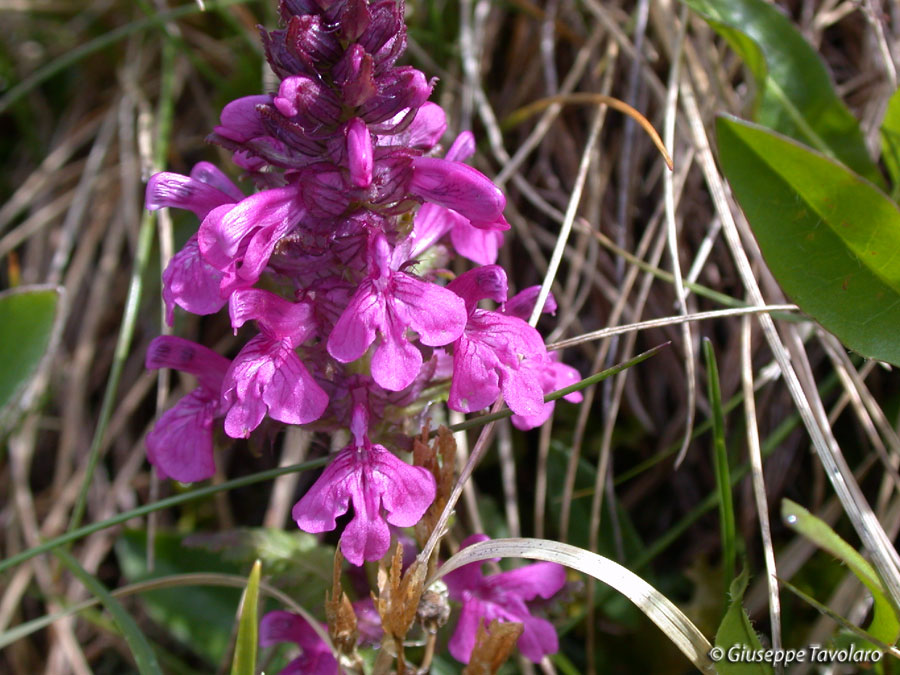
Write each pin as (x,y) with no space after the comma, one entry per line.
(890,142)
(720,460)
(144,658)
(736,630)
(831,238)
(885,625)
(796,96)
(27,317)
(201,617)
(245,646)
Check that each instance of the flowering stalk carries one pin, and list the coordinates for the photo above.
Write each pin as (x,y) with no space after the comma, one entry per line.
(336,258)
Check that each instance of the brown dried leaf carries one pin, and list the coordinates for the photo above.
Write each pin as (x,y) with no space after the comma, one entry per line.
(493,647)
(339,612)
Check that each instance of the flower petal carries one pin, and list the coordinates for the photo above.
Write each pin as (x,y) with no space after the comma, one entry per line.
(355,330)
(406,491)
(437,314)
(180,445)
(168,351)
(329,497)
(191,283)
(395,362)
(463,641)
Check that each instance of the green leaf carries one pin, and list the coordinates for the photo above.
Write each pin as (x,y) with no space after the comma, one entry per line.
(796,95)
(831,238)
(244,662)
(890,142)
(144,658)
(720,460)
(200,617)
(736,629)
(27,317)
(885,625)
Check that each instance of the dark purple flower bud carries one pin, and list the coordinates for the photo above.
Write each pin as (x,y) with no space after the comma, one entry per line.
(308,102)
(310,41)
(359,152)
(354,74)
(355,19)
(404,87)
(324,190)
(291,135)
(385,37)
(393,173)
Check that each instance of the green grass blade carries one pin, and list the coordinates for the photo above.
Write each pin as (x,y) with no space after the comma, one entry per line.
(244,662)
(144,658)
(200,493)
(720,459)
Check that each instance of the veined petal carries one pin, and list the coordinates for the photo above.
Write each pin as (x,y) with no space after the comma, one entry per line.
(437,314)
(240,121)
(359,152)
(522,391)
(476,379)
(180,445)
(395,362)
(277,317)
(406,491)
(477,284)
(539,579)
(186,192)
(366,536)
(292,395)
(463,147)
(168,351)
(329,497)
(522,303)
(355,330)
(191,283)
(479,245)
(459,187)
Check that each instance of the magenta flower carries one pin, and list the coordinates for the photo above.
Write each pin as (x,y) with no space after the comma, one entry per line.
(503,597)
(180,445)
(552,375)
(490,356)
(267,375)
(388,303)
(374,480)
(315,656)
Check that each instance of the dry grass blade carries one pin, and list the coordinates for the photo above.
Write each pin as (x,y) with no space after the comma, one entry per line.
(658,608)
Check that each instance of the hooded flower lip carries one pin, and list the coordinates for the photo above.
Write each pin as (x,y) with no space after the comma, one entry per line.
(386,304)
(203,190)
(503,597)
(460,187)
(180,445)
(267,376)
(315,656)
(374,480)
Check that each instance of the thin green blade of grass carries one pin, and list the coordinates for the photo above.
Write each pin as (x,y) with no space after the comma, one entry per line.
(144,658)
(200,493)
(657,607)
(245,648)
(720,460)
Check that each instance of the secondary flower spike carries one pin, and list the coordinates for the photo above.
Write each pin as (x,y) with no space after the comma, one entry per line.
(315,656)
(504,597)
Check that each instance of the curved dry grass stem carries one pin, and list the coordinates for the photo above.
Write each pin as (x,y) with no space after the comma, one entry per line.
(592,99)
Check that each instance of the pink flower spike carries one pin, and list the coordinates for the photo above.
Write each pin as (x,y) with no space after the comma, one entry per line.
(373,479)
(459,187)
(386,304)
(180,445)
(359,152)
(201,192)
(267,375)
(503,597)
(191,283)
(315,656)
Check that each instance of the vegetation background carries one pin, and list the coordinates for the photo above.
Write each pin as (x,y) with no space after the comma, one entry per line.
(97,94)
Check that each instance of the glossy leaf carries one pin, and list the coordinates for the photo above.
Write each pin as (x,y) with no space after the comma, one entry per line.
(27,317)
(796,96)
(885,625)
(735,630)
(831,238)
(890,142)
(245,646)
(144,658)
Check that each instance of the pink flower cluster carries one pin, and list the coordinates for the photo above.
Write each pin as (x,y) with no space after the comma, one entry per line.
(326,257)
